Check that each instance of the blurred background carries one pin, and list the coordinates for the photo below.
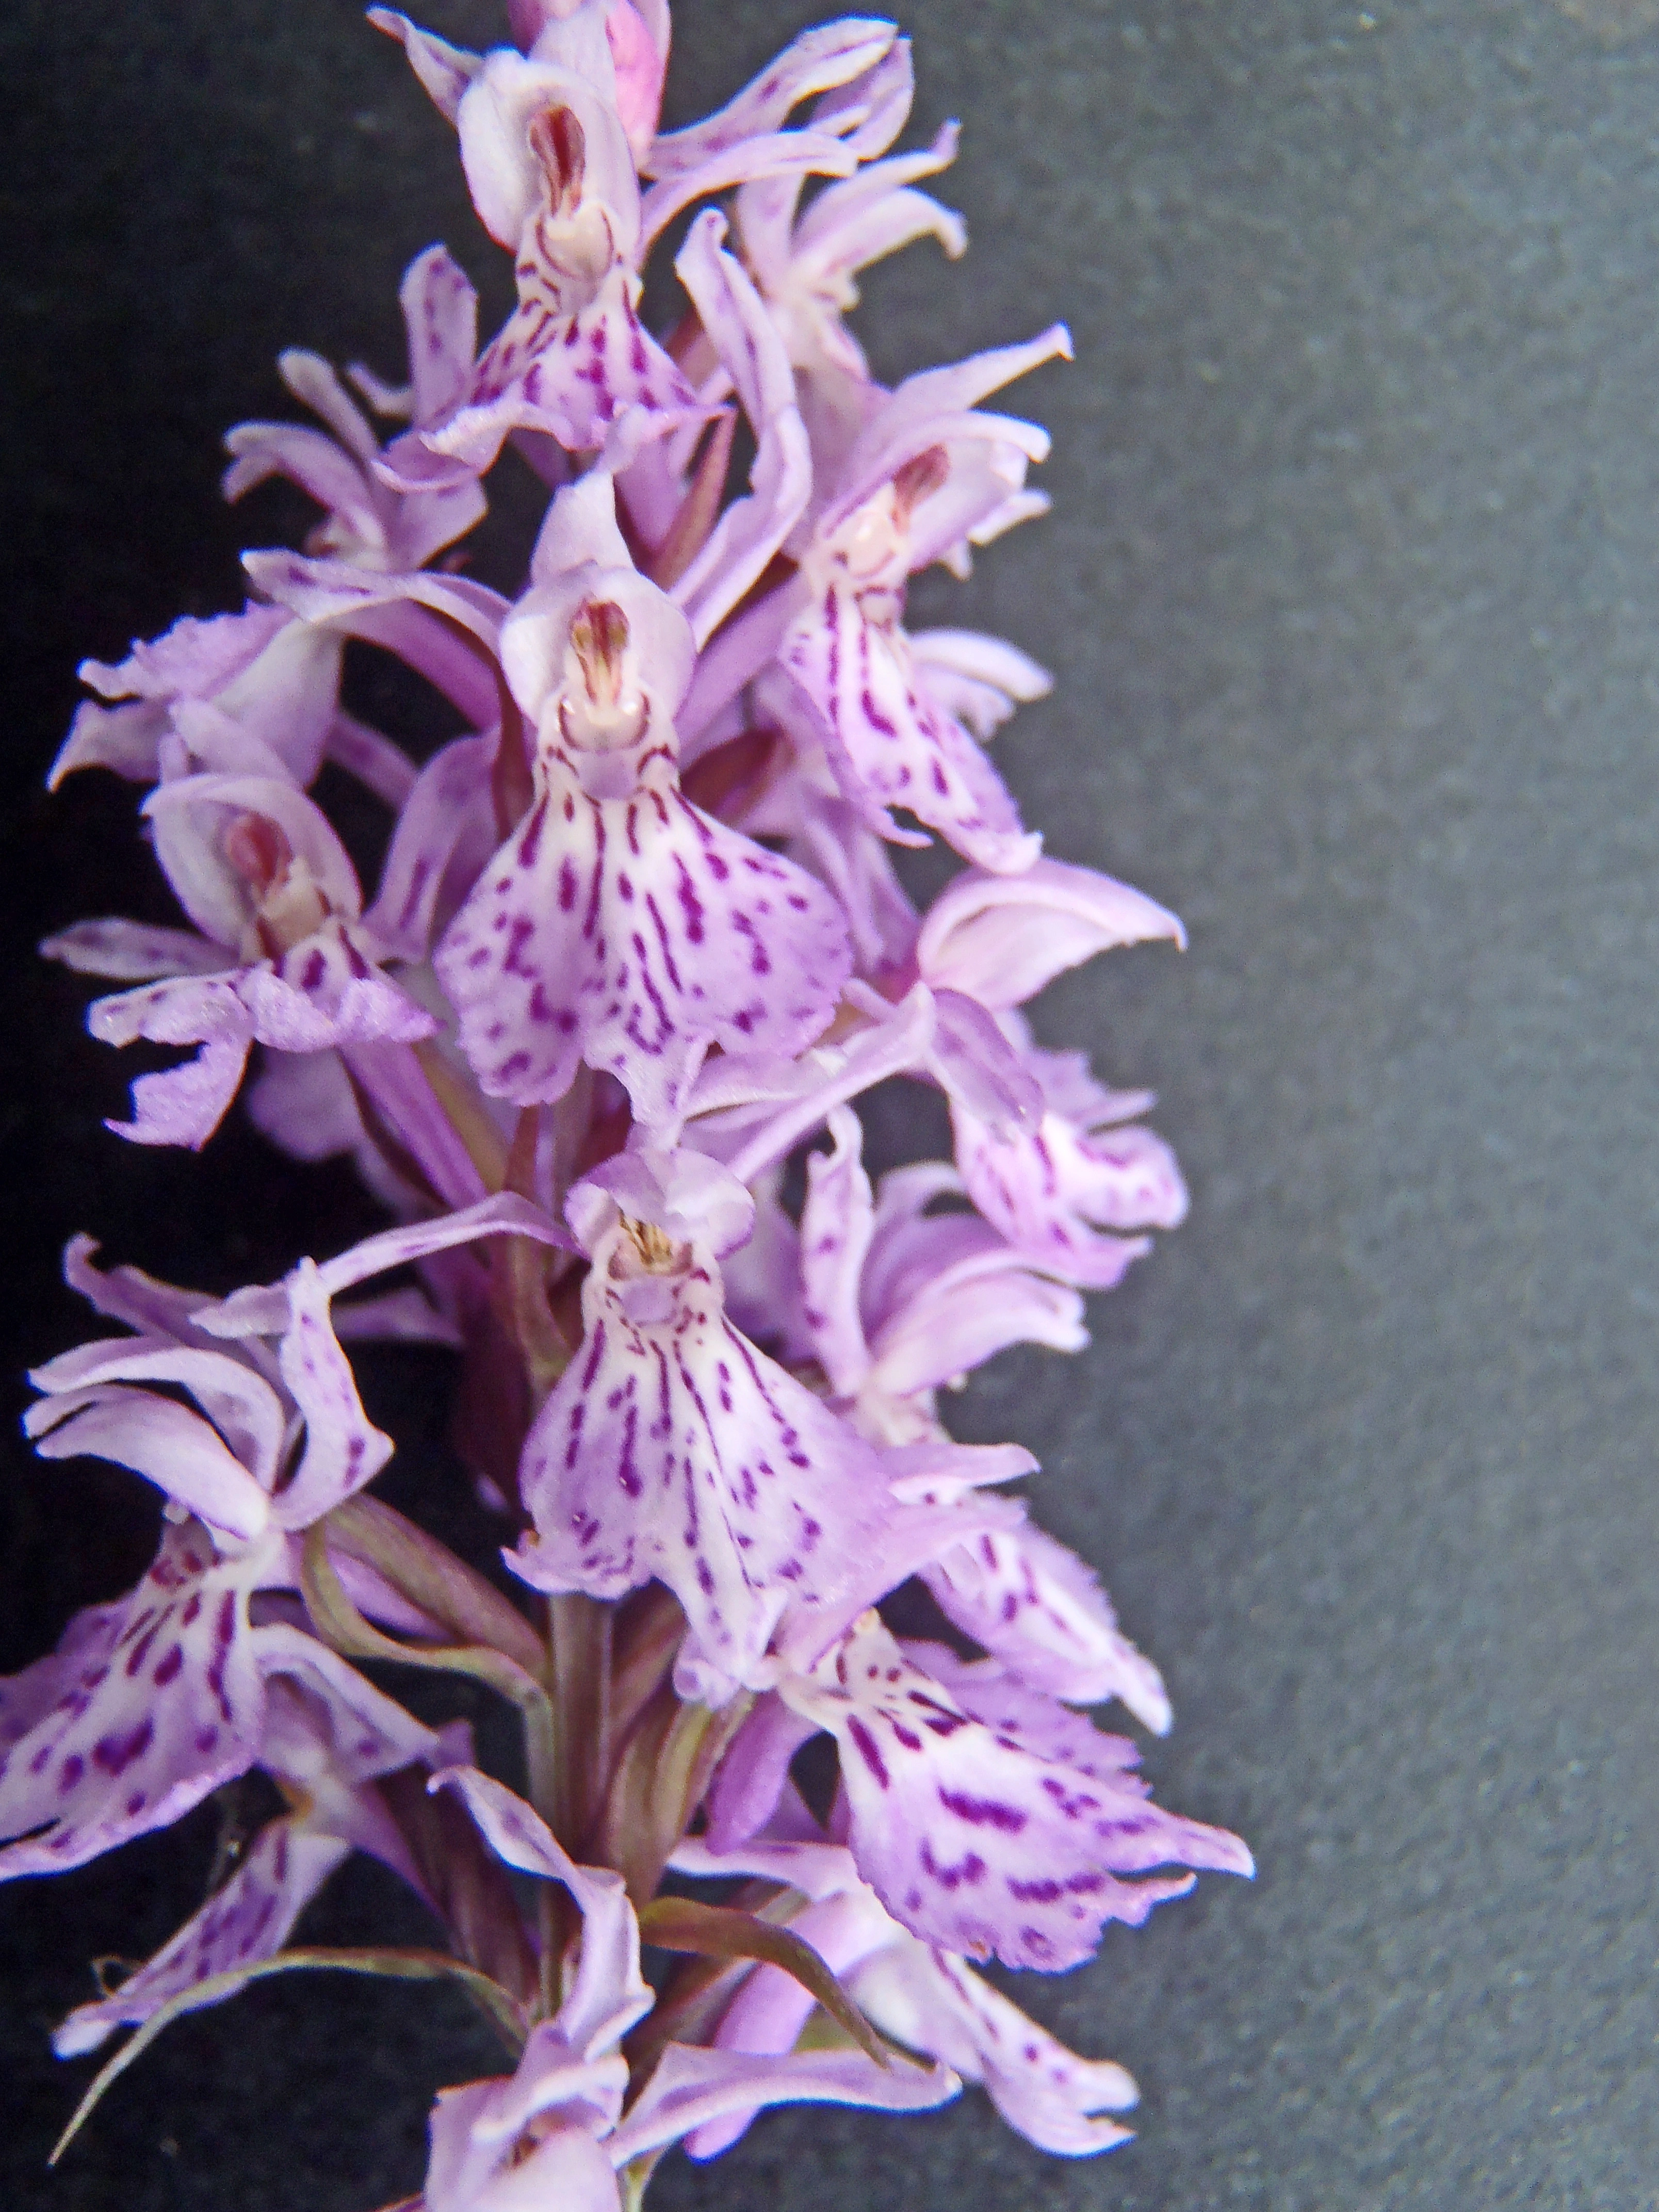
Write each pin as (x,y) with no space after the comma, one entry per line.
(1351,594)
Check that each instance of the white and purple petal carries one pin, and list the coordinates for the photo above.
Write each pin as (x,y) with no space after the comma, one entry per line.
(672,1449)
(975,1840)
(164,1705)
(632,932)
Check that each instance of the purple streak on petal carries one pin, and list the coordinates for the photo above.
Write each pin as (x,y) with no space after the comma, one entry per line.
(1038,1607)
(985,1841)
(128,1747)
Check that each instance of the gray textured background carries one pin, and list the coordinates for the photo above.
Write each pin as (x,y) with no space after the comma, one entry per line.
(1352,593)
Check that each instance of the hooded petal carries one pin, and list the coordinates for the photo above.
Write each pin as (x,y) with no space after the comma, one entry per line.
(483,2159)
(978,1841)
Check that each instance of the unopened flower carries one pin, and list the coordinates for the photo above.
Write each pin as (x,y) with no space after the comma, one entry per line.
(367,520)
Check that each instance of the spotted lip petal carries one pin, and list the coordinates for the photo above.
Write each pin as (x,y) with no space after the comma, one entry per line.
(979,1842)
(887,739)
(573,356)
(620,924)
(672,1449)
(164,1705)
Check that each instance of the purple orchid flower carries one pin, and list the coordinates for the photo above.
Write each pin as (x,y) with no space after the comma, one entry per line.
(1065,1185)
(990,1819)
(891,1304)
(553,2130)
(672,1447)
(929,2000)
(926,475)
(258,870)
(149,1704)
(621,926)
(367,521)
(550,158)
(551,173)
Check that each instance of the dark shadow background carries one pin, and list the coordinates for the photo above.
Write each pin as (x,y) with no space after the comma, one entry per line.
(1351,593)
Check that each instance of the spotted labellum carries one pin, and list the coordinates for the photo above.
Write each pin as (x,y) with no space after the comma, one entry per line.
(801,1691)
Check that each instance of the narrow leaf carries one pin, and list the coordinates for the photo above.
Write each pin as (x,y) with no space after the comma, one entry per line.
(428,1574)
(407,1966)
(647,1632)
(719,1931)
(339,1623)
(659,1781)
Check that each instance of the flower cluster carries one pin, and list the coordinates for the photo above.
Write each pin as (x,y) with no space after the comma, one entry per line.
(636,947)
